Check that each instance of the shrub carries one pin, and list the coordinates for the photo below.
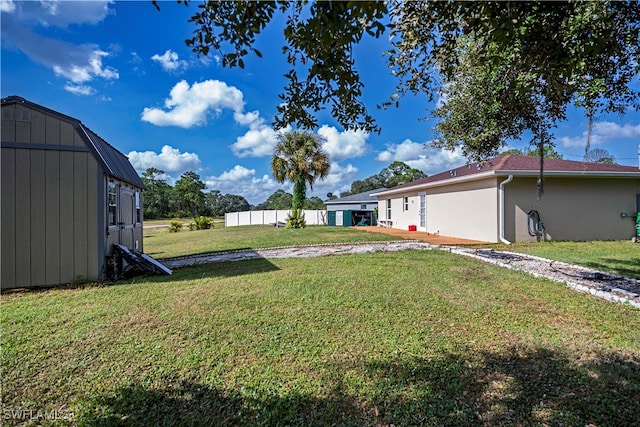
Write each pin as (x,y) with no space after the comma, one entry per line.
(175,226)
(296,219)
(204,223)
(201,223)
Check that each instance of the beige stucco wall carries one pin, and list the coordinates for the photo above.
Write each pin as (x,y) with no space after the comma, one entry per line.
(572,208)
(467,210)
(584,208)
(49,202)
(401,218)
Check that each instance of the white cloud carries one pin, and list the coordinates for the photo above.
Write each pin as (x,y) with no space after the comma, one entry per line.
(252,118)
(420,156)
(7,6)
(76,63)
(83,72)
(58,13)
(170,61)
(338,180)
(603,132)
(189,106)
(79,89)
(343,145)
(243,182)
(260,140)
(238,172)
(170,160)
(257,142)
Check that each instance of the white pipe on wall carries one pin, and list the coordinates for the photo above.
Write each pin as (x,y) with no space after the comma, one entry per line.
(501,209)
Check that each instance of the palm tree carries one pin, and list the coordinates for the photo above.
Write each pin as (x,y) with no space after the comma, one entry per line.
(299,158)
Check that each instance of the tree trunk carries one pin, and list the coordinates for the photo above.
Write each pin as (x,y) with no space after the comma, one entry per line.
(299,193)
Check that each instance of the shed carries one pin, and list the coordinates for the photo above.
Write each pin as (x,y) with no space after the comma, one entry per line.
(356,209)
(67,198)
(497,200)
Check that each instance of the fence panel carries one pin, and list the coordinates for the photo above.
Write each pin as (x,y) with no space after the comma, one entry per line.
(273,217)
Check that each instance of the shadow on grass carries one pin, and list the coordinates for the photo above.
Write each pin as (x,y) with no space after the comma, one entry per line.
(218,269)
(535,387)
(159,257)
(621,267)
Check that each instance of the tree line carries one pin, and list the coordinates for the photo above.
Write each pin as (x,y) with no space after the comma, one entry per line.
(188,198)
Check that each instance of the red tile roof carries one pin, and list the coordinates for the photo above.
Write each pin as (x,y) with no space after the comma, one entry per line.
(512,163)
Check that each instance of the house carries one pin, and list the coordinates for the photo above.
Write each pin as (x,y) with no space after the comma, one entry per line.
(356,209)
(67,198)
(497,200)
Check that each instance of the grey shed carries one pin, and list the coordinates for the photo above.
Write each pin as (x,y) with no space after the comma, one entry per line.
(67,198)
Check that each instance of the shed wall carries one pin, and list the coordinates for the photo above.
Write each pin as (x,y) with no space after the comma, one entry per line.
(50,207)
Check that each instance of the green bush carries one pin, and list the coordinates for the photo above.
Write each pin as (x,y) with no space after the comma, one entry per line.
(203,223)
(175,226)
(296,219)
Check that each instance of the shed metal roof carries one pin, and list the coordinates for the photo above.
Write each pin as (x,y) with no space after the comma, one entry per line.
(512,164)
(112,161)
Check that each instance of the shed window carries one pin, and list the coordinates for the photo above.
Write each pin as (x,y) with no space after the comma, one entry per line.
(138,211)
(388,208)
(363,206)
(406,203)
(112,203)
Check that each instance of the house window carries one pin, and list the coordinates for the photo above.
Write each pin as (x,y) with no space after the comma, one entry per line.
(138,211)
(406,203)
(112,203)
(388,208)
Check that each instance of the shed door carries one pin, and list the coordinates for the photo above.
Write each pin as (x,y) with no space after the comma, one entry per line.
(339,218)
(127,218)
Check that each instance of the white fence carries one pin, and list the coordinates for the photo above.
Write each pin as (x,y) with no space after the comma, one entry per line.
(312,217)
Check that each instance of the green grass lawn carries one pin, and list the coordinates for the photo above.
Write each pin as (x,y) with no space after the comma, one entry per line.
(159,243)
(616,257)
(407,338)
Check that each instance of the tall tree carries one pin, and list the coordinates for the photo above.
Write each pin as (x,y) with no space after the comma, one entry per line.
(398,173)
(156,195)
(549,152)
(278,200)
(314,202)
(188,194)
(600,155)
(212,203)
(299,158)
(234,203)
(508,68)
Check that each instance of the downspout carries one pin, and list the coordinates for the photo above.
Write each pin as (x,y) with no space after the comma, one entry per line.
(501,209)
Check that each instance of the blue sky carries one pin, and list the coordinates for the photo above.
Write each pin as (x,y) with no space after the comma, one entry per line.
(123,69)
